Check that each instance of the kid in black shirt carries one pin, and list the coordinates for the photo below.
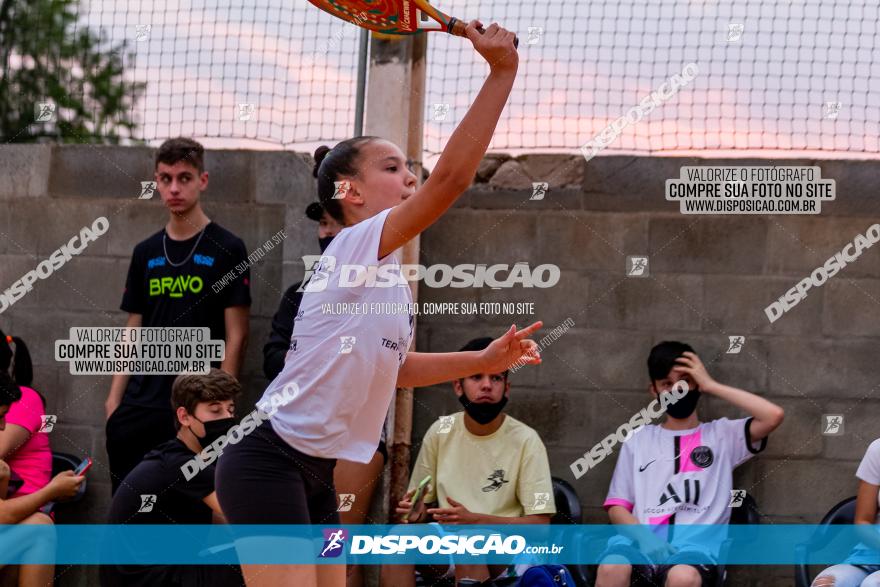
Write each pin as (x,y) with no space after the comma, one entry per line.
(158,492)
(174,280)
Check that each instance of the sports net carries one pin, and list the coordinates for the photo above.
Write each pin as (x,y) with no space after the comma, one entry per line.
(785,75)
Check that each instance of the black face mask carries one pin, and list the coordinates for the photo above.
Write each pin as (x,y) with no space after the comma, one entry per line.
(324,242)
(214,429)
(685,406)
(482,413)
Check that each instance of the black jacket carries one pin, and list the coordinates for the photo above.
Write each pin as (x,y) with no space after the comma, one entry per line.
(282,327)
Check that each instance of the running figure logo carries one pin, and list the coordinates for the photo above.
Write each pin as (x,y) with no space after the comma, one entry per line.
(334,541)
(535,33)
(346,500)
(341,188)
(736,344)
(147,190)
(496,480)
(147,503)
(47,423)
(44,112)
(541,501)
(439,112)
(245,111)
(734,32)
(637,266)
(832,110)
(539,190)
(142,31)
(346,344)
(737,496)
(832,424)
(318,270)
(446,423)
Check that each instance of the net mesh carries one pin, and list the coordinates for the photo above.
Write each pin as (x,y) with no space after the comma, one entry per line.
(786,75)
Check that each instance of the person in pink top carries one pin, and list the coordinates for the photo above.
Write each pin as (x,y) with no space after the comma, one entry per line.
(22,446)
(25,448)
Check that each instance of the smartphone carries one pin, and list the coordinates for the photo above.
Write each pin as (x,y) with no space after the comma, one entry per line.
(83,466)
(417,499)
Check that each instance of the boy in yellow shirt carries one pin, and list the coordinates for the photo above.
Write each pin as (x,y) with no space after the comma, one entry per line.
(487,468)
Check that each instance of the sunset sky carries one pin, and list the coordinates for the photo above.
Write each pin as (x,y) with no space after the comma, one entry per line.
(767,89)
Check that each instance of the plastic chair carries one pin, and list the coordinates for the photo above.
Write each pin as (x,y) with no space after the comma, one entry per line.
(569,511)
(568,505)
(842,513)
(747,513)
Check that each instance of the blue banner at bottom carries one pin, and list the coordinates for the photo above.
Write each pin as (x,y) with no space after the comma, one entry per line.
(776,544)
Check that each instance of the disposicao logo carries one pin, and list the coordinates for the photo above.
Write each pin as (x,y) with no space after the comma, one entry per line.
(334,542)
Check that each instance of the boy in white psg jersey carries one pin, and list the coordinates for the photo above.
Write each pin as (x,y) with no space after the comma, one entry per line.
(680,472)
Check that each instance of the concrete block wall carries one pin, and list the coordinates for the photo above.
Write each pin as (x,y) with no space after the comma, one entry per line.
(48,193)
(710,277)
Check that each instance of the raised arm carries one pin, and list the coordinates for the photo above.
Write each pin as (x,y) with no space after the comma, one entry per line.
(423,369)
(458,163)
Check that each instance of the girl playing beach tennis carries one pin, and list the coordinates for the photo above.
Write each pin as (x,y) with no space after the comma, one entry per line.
(345,367)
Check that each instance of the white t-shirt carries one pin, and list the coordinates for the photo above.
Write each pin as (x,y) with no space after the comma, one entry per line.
(869,469)
(667,477)
(505,473)
(344,363)
(869,472)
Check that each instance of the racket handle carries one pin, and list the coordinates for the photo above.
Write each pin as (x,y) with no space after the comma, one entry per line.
(456,27)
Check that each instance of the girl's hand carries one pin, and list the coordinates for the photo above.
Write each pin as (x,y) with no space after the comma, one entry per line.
(65,485)
(511,348)
(495,45)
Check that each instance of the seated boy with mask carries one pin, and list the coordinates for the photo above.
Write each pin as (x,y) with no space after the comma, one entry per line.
(487,468)
(680,472)
(157,492)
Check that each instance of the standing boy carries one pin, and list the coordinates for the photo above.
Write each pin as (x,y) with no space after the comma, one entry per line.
(170,284)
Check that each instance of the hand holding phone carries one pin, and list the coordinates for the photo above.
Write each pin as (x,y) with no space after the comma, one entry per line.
(65,484)
(418,500)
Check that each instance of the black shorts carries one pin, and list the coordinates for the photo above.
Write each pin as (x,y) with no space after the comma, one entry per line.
(170,576)
(263,480)
(382,449)
(647,573)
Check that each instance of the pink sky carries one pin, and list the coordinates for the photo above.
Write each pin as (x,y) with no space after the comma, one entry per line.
(765,93)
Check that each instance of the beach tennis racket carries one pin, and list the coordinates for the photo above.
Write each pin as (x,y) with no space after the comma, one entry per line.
(395,17)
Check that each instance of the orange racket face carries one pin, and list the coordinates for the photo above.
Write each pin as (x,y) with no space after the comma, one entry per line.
(395,17)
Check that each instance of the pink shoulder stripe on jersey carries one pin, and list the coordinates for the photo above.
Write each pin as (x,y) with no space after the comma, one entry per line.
(660,520)
(617,501)
(687,445)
